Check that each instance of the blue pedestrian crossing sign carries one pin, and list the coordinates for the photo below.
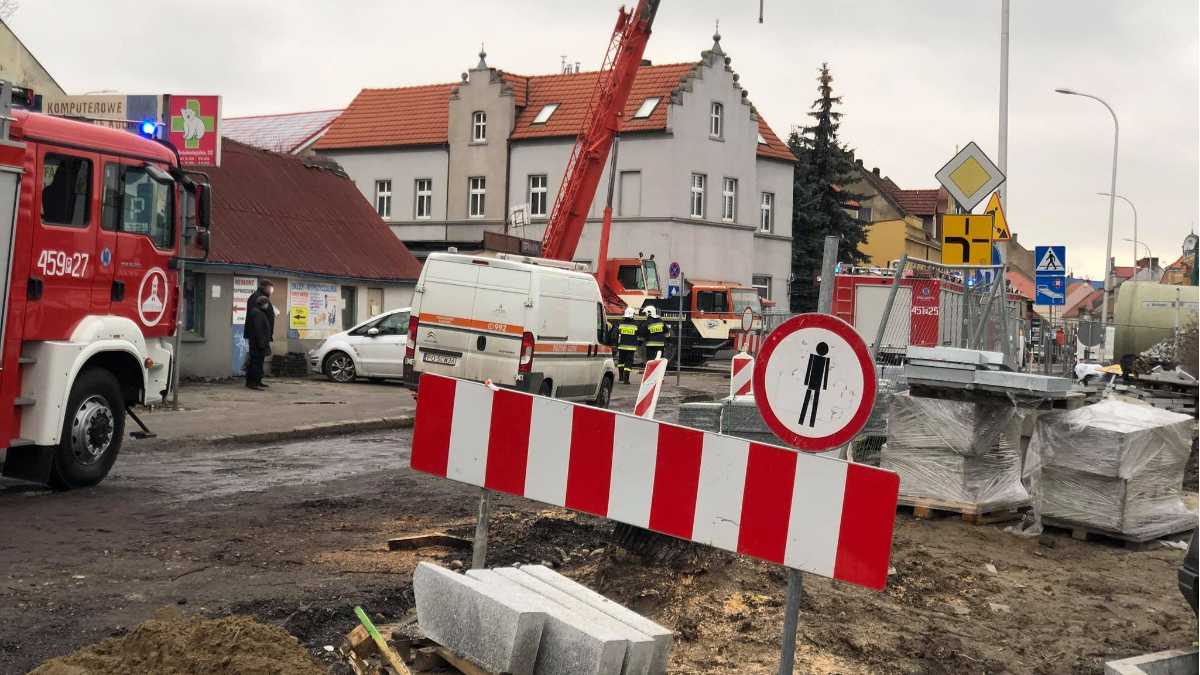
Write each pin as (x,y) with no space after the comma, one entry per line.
(1051,289)
(1050,260)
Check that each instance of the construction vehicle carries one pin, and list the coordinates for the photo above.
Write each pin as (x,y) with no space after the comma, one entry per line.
(90,222)
(712,317)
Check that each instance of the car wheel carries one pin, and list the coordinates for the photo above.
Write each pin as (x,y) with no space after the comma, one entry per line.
(605,394)
(339,367)
(92,431)
(546,389)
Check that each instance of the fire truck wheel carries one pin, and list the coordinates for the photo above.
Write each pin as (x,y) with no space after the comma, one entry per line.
(92,431)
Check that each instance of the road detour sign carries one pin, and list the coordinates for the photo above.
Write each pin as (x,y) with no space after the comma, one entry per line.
(814,382)
(817,514)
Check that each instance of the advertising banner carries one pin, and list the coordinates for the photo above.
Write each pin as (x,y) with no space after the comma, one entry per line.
(194,128)
(119,111)
(313,309)
(242,288)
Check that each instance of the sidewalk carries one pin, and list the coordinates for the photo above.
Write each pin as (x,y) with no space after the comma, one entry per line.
(228,412)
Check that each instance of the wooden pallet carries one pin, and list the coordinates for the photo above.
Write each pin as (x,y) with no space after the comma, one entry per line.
(1141,542)
(924,508)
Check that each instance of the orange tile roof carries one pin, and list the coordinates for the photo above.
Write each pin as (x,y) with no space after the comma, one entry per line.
(921,202)
(420,115)
(389,117)
(573,92)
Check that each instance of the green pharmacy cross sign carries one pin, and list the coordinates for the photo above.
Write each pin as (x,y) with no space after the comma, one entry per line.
(191,124)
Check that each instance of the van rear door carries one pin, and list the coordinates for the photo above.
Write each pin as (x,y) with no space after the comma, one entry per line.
(443,327)
(499,320)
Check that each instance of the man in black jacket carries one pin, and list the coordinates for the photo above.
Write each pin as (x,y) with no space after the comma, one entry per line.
(265,288)
(258,335)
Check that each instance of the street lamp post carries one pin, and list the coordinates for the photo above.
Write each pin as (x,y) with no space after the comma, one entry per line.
(1135,237)
(1149,257)
(1112,201)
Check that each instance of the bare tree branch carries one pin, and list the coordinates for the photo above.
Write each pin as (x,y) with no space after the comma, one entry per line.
(8,8)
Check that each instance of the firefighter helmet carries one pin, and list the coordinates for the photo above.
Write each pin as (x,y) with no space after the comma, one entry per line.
(651,311)
(630,312)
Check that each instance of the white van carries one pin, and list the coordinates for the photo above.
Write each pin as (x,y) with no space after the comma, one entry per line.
(524,323)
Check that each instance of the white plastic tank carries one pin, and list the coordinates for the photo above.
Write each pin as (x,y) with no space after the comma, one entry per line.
(1147,313)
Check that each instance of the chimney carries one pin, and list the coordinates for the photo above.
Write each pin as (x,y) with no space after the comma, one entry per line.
(875,171)
(646,62)
(858,162)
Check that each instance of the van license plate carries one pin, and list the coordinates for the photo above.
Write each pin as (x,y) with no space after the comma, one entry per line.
(440,359)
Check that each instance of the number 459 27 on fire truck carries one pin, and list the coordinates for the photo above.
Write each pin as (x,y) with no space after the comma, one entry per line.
(90,236)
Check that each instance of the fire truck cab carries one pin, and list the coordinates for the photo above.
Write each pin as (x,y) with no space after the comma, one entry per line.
(90,232)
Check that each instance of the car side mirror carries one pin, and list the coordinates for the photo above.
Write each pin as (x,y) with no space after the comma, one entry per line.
(372,332)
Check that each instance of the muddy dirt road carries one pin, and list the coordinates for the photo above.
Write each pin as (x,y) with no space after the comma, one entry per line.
(295,534)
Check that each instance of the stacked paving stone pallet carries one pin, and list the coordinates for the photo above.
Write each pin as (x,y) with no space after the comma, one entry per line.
(1113,467)
(955,452)
(533,621)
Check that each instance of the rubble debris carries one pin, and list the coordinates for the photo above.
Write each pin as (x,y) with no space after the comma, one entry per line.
(236,645)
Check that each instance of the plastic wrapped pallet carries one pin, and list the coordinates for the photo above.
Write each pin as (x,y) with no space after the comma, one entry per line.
(1113,466)
(957,452)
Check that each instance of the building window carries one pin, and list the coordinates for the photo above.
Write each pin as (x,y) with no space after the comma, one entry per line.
(478,190)
(697,206)
(761,140)
(479,127)
(729,200)
(424,203)
(631,194)
(537,195)
(544,114)
(714,120)
(67,190)
(766,221)
(647,108)
(193,297)
(762,284)
(383,198)
(865,215)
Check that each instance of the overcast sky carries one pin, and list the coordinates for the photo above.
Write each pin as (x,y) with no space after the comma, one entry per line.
(917,77)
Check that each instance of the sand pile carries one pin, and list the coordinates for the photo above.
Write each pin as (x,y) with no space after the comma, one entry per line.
(236,645)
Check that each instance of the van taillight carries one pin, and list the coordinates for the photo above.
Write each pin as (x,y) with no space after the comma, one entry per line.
(526,364)
(410,349)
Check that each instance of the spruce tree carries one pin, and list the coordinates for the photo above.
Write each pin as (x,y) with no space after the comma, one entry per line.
(818,207)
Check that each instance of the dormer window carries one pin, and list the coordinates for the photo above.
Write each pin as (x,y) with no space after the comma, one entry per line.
(761,140)
(647,108)
(479,127)
(545,113)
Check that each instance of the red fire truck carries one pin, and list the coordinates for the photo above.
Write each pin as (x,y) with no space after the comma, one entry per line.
(90,225)
(931,303)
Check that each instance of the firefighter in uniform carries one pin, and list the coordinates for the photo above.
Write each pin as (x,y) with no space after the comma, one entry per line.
(657,333)
(627,337)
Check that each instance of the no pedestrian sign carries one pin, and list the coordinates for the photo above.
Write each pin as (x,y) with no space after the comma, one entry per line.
(814,382)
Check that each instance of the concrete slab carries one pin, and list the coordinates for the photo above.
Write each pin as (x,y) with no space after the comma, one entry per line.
(662,637)
(488,625)
(1173,662)
(641,646)
(1024,382)
(570,644)
(936,374)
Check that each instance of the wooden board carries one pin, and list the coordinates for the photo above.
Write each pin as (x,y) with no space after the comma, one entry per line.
(1133,542)
(979,514)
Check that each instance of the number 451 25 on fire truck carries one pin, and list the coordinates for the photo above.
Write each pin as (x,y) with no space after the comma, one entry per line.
(91,225)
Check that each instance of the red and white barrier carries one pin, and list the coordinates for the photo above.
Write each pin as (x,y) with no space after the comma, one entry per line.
(747,342)
(652,379)
(742,375)
(808,512)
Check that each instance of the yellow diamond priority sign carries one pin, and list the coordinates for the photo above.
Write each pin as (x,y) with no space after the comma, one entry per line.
(970,177)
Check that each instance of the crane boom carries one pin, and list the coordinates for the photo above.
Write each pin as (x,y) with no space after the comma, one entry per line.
(601,125)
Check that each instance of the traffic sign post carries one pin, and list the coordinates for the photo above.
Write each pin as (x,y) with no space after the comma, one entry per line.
(970,176)
(1000,231)
(1050,260)
(1051,290)
(967,239)
(814,382)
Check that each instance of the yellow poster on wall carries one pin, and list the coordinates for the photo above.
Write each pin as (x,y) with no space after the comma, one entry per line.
(299,317)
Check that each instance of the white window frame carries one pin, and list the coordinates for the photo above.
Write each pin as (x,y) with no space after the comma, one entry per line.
(647,108)
(761,140)
(479,127)
(383,198)
(760,286)
(539,190)
(716,113)
(729,200)
(423,204)
(766,212)
(476,196)
(696,204)
(544,114)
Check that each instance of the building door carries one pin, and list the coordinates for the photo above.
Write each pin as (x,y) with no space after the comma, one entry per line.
(350,311)
(374,301)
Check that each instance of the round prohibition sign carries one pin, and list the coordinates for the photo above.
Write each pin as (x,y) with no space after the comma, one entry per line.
(814,382)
